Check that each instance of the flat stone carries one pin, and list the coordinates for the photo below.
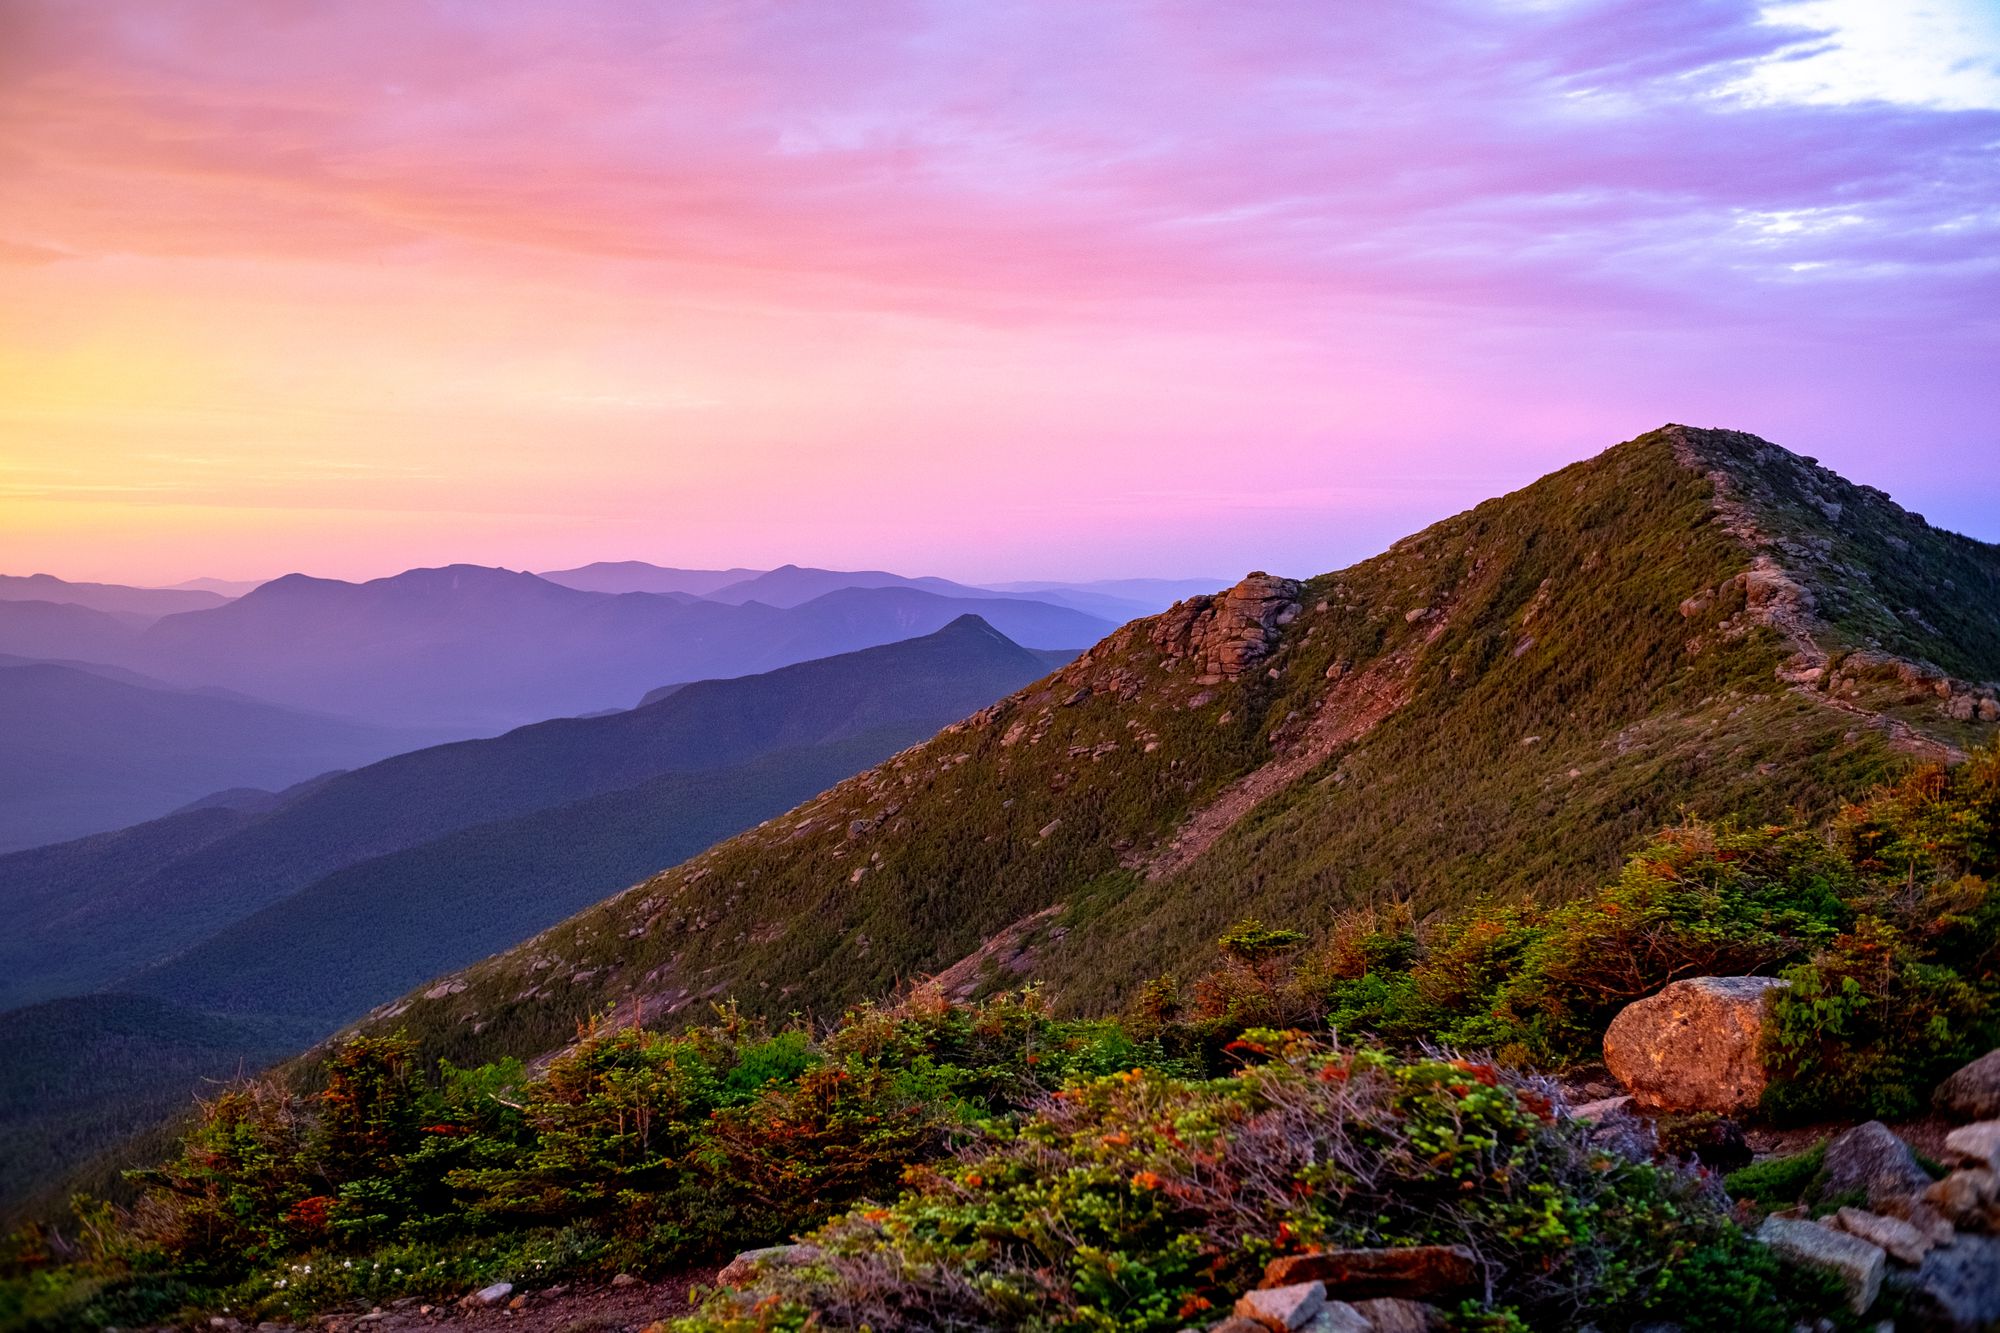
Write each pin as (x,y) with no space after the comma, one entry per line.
(1859,1265)
(1412,1272)
(1976,1143)
(1390,1315)
(1974,1091)
(1957,1289)
(1902,1241)
(1283,1308)
(1695,1046)
(1871,1159)
(1601,1108)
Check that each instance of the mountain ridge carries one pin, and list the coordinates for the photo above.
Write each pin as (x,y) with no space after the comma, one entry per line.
(1561,668)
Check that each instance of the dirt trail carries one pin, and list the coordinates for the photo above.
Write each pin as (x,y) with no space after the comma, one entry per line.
(595,1308)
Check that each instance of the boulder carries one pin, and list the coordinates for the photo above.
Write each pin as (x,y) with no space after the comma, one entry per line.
(1859,1265)
(1409,1272)
(1977,1144)
(1695,1046)
(1958,1287)
(1901,1240)
(1282,1309)
(1870,1159)
(1973,1093)
(1965,1196)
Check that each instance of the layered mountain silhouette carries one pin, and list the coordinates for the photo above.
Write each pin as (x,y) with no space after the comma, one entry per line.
(140,604)
(92,748)
(254,923)
(1500,705)
(477,650)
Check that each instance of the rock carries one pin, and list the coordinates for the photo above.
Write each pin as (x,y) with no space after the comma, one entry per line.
(1224,635)
(1859,1265)
(518,1303)
(1965,1195)
(1958,1288)
(1600,1108)
(1920,1213)
(1901,1240)
(1973,1093)
(1978,1144)
(741,1271)
(1338,1317)
(1694,1046)
(1236,1323)
(492,1295)
(624,1280)
(1411,1272)
(1398,1316)
(1282,1309)
(1871,1159)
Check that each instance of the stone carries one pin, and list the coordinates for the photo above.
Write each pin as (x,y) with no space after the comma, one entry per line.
(1339,1317)
(492,1295)
(1902,1241)
(1859,1265)
(741,1271)
(1282,1309)
(1236,1323)
(1965,1195)
(1871,1159)
(624,1280)
(1694,1046)
(1412,1272)
(1977,1143)
(1973,1093)
(1390,1315)
(1224,635)
(518,1303)
(1958,1288)
(1602,1107)
(1920,1213)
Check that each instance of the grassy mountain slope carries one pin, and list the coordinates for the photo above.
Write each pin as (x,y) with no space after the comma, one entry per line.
(1498,705)
(79,929)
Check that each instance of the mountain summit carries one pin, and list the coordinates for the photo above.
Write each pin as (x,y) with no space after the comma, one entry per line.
(1499,705)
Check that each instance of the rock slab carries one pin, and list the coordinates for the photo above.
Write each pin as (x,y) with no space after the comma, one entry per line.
(1859,1265)
(1406,1272)
(1695,1046)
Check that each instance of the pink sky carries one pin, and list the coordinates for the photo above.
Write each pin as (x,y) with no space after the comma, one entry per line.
(981,289)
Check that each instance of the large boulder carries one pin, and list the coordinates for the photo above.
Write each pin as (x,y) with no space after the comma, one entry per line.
(1973,1093)
(1958,1287)
(1870,1160)
(1695,1046)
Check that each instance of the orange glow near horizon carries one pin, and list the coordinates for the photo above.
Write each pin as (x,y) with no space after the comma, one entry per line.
(1006,293)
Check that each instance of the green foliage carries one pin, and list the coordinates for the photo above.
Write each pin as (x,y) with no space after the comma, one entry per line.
(1778,1181)
(1141,1201)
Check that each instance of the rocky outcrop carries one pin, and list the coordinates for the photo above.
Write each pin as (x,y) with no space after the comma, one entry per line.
(1974,1091)
(1695,1046)
(1224,635)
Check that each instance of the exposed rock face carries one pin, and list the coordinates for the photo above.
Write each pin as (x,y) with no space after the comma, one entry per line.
(1974,1091)
(1859,1265)
(1872,1160)
(1227,634)
(1694,1046)
(1411,1272)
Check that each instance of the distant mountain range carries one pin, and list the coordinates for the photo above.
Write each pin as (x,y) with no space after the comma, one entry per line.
(90,748)
(475,650)
(143,604)
(247,927)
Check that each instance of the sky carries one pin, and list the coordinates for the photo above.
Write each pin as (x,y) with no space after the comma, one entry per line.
(985,289)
